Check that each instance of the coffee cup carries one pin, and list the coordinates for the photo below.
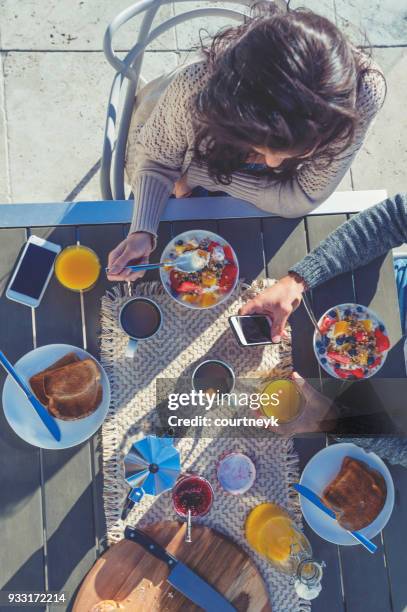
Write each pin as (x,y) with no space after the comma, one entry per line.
(213,374)
(140,318)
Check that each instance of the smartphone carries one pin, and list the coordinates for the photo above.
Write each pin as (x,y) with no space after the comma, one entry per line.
(33,271)
(251,330)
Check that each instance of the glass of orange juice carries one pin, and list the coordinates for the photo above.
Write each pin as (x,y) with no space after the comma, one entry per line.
(271,532)
(285,401)
(77,267)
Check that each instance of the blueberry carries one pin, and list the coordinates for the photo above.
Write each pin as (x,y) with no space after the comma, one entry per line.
(359,309)
(337,366)
(324,360)
(381,327)
(340,340)
(322,351)
(325,340)
(347,312)
(332,314)
(179,242)
(318,343)
(218,265)
(352,352)
(370,360)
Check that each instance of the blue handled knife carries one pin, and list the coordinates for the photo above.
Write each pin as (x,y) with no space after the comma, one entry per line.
(42,412)
(317,501)
(181,577)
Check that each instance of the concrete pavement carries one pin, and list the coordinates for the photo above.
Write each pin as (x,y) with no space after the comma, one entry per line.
(54,84)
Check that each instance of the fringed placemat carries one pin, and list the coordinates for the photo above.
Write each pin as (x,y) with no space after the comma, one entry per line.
(187,337)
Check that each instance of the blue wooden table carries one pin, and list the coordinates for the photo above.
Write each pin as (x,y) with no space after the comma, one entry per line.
(51,511)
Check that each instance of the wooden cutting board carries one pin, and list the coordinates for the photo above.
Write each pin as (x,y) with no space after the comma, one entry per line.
(129,575)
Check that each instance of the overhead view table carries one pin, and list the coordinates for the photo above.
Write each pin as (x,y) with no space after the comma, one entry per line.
(51,508)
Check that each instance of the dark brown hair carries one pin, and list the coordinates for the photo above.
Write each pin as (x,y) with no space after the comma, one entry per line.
(287,81)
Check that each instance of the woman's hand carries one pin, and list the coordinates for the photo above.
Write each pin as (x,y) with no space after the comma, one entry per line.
(277,302)
(319,413)
(135,249)
(181,188)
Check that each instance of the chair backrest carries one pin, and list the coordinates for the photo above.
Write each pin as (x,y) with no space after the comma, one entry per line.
(127,77)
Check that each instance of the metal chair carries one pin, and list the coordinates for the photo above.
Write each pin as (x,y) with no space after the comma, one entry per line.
(127,77)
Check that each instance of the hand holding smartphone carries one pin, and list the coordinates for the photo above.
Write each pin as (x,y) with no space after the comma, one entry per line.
(33,271)
(251,330)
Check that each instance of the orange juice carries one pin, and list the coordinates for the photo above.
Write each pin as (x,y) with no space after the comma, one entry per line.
(272,533)
(77,267)
(285,402)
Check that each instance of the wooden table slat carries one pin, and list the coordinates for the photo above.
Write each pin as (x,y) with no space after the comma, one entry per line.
(21,533)
(68,496)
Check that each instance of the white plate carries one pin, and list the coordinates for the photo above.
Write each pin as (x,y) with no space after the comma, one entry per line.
(199,235)
(364,313)
(22,416)
(320,471)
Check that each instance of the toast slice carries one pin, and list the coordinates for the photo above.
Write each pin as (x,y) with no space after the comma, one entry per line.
(37,381)
(356,495)
(73,391)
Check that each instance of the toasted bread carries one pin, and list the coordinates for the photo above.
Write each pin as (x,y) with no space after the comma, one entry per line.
(73,391)
(37,381)
(357,494)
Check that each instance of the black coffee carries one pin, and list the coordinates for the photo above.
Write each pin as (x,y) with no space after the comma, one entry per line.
(140,318)
(213,375)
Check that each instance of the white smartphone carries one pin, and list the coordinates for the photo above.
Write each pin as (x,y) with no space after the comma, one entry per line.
(33,271)
(251,330)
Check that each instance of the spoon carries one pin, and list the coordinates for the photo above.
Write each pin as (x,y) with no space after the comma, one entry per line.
(191,261)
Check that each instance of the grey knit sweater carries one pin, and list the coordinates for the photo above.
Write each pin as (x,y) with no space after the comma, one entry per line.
(366,236)
(161,143)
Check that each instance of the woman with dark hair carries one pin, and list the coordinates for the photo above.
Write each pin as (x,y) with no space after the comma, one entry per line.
(274,113)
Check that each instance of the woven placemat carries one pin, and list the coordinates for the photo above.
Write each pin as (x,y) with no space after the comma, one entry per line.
(185,338)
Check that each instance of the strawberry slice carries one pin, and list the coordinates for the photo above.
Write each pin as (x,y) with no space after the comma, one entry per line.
(188,287)
(175,279)
(360,336)
(344,359)
(326,324)
(343,373)
(228,253)
(382,341)
(228,277)
(212,245)
(359,373)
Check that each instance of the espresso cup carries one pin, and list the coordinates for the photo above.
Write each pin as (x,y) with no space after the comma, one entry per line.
(140,318)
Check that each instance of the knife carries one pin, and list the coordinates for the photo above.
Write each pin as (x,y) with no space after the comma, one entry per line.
(181,577)
(42,412)
(317,501)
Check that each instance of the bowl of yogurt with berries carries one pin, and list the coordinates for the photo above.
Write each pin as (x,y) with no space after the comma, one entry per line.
(216,265)
(353,342)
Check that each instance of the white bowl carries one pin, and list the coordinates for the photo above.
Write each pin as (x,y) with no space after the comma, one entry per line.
(22,417)
(365,313)
(199,235)
(320,471)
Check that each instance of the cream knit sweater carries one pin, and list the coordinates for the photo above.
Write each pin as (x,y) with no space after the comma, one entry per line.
(160,150)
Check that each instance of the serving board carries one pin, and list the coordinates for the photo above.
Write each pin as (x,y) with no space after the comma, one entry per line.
(129,575)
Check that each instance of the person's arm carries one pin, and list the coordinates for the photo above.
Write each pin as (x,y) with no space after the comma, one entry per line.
(313,184)
(366,236)
(159,149)
(361,239)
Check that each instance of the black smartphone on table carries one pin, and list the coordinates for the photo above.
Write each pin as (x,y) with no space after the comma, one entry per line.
(251,330)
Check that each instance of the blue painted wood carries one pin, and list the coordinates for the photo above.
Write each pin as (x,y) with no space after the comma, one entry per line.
(96,213)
